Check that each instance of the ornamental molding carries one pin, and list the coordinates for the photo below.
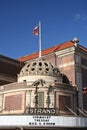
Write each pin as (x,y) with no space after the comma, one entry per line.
(64,52)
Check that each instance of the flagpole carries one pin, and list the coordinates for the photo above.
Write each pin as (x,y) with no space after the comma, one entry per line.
(39,39)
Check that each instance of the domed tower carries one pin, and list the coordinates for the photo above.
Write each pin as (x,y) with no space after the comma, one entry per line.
(40,75)
(40,69)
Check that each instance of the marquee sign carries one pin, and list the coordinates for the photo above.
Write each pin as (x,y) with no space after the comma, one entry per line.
(42,121)
(42,111)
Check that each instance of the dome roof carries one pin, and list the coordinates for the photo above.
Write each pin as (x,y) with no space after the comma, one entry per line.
(39,67)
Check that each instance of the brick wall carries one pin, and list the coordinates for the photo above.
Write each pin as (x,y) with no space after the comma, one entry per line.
(14,102)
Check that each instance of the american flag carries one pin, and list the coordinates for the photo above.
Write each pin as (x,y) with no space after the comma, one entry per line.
(36,31)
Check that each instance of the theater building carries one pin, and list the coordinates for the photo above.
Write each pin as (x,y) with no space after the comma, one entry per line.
(71,59)
(48,91)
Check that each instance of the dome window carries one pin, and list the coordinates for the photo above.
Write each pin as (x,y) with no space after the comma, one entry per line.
(52,66)
(34,64)
(40,68)
(33,69)
(26,69)
(28,65)
(47,69)
(40,64)
(46,64)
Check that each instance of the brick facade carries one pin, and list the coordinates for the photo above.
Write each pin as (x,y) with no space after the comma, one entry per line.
(71,59)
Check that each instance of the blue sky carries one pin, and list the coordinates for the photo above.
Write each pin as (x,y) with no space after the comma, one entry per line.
(61,21)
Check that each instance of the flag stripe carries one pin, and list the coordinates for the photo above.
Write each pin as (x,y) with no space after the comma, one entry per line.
(36,31)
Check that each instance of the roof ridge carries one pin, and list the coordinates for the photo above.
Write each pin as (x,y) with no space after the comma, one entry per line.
(46,51)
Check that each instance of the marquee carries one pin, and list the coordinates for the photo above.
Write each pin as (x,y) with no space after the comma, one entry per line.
(42,121)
